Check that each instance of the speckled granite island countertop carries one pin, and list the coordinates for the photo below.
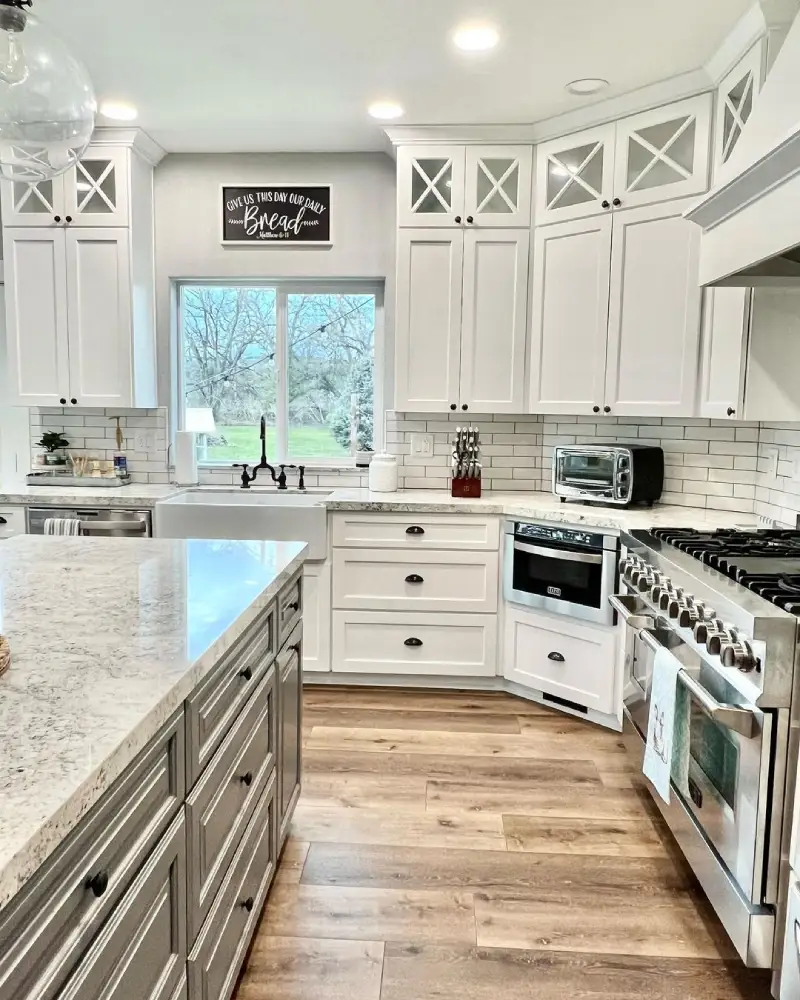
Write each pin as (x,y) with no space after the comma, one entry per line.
(108,637)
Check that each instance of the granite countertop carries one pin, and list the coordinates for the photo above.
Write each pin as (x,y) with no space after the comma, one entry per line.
(135,495)
(537,506)
(108,637)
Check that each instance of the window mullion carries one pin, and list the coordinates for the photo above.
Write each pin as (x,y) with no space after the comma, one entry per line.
(281,365)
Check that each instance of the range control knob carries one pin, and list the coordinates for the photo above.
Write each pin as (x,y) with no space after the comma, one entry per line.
(645,582)
(723,637)
(666,597)
(740,655)
(703,628)
(688,618)
(675,607)
(655,593)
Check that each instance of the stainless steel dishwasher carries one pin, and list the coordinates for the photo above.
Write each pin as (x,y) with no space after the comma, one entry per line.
(98,522)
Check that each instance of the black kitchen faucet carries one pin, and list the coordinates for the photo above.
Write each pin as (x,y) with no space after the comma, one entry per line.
(280,478)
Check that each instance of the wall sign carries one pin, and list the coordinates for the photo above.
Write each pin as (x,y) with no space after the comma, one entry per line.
(272,214)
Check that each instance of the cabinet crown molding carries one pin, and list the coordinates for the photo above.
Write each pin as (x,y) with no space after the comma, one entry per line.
(134,138)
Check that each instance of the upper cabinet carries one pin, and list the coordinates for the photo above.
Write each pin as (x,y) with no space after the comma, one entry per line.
(467,186)
(736,96)
(658,155)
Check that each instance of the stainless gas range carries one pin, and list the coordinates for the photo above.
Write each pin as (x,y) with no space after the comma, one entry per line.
(724,604)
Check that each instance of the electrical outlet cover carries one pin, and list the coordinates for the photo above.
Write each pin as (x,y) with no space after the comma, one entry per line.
(422,445)
(144,441)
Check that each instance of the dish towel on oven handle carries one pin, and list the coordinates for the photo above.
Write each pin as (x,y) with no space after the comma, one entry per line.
(62,526)
(666,755)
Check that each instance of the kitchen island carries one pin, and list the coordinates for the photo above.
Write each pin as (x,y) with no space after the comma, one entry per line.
(149,760)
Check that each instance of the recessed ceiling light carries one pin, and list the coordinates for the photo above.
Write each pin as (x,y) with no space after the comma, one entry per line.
(588,86)
(476,37)
(118,110)
(386,110)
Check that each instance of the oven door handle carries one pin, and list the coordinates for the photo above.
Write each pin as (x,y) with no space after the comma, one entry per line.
(565,554)
(738,720)
(624,605)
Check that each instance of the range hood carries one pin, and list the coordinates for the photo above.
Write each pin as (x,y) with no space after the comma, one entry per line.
(751,217)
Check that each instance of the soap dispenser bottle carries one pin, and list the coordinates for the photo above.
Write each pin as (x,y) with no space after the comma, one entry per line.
(120,459)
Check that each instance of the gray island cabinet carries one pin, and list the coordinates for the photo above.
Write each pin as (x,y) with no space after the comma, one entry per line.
(156,890)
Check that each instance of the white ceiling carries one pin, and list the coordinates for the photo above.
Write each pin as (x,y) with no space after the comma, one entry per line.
(253,75)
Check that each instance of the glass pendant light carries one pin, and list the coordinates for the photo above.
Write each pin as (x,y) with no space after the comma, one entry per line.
(47,102)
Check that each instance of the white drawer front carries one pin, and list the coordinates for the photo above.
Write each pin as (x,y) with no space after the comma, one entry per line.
(434,646)
(12,521)
(562,658)
(790,971)
(412,531)
(426,581)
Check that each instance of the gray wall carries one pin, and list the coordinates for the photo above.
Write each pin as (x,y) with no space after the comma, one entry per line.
(187,232)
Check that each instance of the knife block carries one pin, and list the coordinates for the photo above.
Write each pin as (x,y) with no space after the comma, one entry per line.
(460,487)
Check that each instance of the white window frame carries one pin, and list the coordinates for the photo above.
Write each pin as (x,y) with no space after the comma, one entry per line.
(285,287)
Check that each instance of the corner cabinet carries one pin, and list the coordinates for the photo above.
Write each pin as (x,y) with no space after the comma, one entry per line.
(79,282)
(617,296)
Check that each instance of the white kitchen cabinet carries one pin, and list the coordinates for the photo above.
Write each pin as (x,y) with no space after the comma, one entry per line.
(316,617)
(654,313)
(567,660)
(726,319)
(12,521)
(415,532)
(736,95)
(460,186)
(616,314)
(569,315)
(461,320)
(494,320)
(657,155)
(773,356)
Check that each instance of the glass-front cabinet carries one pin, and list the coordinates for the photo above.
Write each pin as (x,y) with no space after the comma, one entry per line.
(736,96)
(430,187)
(574,175)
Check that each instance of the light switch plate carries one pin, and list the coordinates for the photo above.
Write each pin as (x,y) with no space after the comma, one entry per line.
(422,445)
(144,441)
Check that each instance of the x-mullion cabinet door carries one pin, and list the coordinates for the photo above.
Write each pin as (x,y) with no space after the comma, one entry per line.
(430,186)
(498,186)
(575,175)
(96,188)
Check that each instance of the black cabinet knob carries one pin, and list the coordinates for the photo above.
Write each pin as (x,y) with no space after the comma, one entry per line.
(56,218)
(606,409)
(595,409)
(99,883)
(294,605)
(63,401)
(464,406)
(414,578)
(249,903)
(415,530)
(731,411)
(247,779)
(452,406)
(558,657)
(458,218)
(68,218)
(413,642)
(616,203)
(3,520)
(247,673)
(470,220)
(74,401)
(606,204)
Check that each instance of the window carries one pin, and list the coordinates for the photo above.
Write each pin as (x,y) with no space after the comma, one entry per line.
(302,355)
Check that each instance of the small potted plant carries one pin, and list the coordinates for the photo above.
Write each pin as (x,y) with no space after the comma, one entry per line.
(53,441)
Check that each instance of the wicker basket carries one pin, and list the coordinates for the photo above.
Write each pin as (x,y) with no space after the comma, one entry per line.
(5,655)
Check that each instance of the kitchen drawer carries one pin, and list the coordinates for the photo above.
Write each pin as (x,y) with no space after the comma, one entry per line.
(290,608)
(406,643)
(140,954)
(561,657)
(12,521)
(216,959)
(289,679)
(216,703)
(414,532)
(790,970)
(218,808)
(387,580)
(51,922)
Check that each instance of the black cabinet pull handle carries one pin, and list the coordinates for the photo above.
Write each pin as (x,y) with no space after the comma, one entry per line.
(249,903)
(605,204)
(558,657)
(606,409)
(413,642)
(731,411)
(63,401)
(452,406)
(57,218)
(414,578)
(99,883)
(415,530)
(247,673)
(470,220)
(616,203)
(458,218)
(247,779)
(74,401)
(595,409)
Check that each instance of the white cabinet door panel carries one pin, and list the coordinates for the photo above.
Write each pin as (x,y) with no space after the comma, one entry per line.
(569,315)
(494,320)
(36,314)
(726,316)
(498,186)
(33,204)
(654,313)
(428,319)
(575,175)
(736,95)
(317,617)
(430,186)
(415,532)
(99,305)
(96,189)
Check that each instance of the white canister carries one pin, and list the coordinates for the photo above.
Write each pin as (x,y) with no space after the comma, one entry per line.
(383,473)
(185,458)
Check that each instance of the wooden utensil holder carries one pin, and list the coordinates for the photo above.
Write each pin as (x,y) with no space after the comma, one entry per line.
(462,487)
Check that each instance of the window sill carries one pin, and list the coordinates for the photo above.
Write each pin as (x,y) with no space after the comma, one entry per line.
(312,468)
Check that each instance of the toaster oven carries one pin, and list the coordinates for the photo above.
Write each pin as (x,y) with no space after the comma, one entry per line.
(609,473)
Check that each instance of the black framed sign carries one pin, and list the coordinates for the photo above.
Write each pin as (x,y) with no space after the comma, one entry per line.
(273,214)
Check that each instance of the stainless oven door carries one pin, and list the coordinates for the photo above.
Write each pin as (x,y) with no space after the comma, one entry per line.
(730,759)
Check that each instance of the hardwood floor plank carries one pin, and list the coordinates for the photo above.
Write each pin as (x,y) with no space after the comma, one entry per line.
(401,829)
(527,770)
(419,700)
(293,859)
(285,968)
(432,973)
(573,801)
(444,721)
(350,790)
(552,745)
(615,924)
(624,838)
(436,917)
(513,874)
